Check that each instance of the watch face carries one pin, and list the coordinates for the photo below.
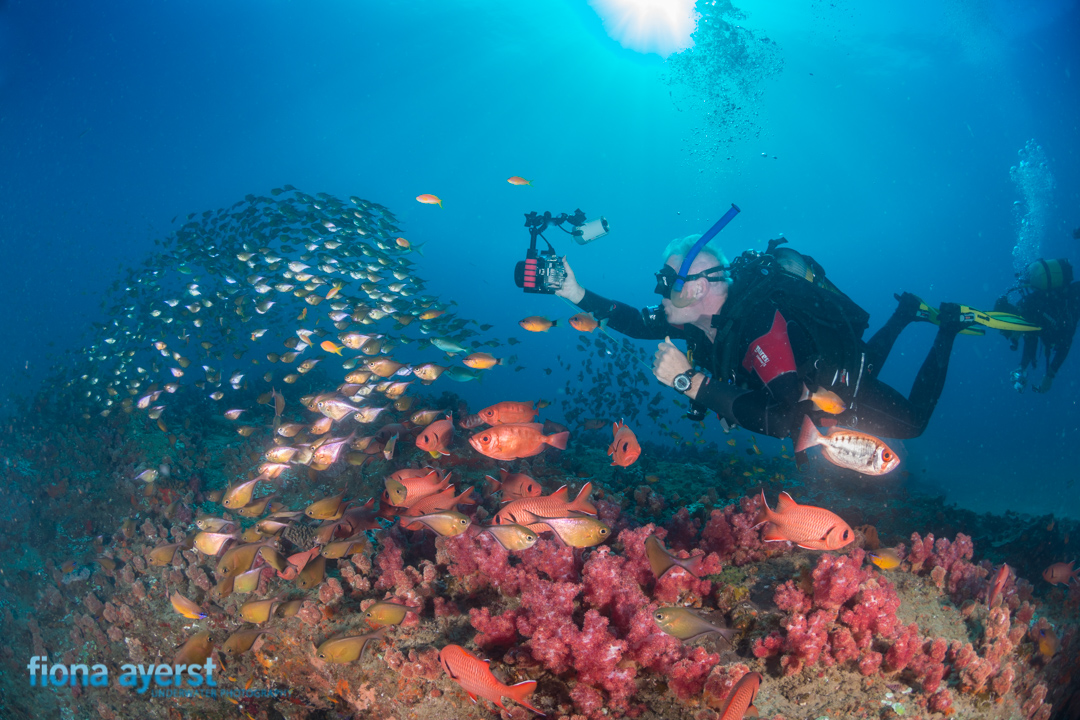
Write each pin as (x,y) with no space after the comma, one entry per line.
(682,383)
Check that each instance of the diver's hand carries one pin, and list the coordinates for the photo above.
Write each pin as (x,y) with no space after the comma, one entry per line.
(570,288)
(668,362)
(1044,386)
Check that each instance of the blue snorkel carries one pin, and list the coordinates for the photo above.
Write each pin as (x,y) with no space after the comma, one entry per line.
(702,242)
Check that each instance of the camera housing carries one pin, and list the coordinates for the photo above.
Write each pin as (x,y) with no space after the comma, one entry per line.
(542,271)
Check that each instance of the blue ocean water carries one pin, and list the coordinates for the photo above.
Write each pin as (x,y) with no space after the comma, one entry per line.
(879,140)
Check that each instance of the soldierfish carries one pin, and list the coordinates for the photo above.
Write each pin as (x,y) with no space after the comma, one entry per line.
(741,701)
(997,585)
(1060,573)
(516,440)
(438,502)
(405,489)
(849,449)
(624,449)
(528,511)
(807,526)
(475,678)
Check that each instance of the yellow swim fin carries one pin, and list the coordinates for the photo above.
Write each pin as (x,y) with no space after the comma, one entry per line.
(930,315)
(997,320)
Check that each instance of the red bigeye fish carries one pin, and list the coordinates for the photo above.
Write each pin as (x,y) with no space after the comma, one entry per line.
(436,437)
(516,440)
(849,449)
(624,449)
(514,486)
(475,678)
(508,412)
(808,527)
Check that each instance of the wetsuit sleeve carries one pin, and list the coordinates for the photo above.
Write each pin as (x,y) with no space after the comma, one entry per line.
(753,410)
(645,324)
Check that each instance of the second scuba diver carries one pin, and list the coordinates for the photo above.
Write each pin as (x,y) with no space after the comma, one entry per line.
(1050,299)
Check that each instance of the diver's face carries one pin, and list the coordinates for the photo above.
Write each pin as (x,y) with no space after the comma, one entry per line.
(677,315)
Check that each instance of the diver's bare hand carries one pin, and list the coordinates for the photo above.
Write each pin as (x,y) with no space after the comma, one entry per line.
(668,362)
(570,288)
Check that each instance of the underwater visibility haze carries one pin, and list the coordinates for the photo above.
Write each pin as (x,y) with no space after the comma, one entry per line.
(327,376)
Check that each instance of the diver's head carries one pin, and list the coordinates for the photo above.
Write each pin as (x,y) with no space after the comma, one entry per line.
(703,287)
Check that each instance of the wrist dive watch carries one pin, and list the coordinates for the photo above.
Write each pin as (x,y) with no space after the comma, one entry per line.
(683,381)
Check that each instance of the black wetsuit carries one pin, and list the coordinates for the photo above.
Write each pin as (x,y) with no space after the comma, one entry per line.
(1057,312)
(779,357)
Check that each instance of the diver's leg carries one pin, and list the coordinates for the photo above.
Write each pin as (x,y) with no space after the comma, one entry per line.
(930,381)
(880,345)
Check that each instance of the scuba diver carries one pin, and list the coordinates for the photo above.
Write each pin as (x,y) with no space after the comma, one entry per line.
(1051,300)
(770,341)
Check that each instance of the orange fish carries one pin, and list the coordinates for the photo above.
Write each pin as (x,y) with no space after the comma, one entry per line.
(508,411)
(537,323)
(514,486)
(331,346)
(515,180)
(741,701)
(1061,573)
(585,322)
(516,440)
(824,400)
(807,526)
(416,486)
(436,437)
(849,449)
(482,361)
(1048,642)
(624,449)
(475,678)
(995,588)
(529,511)
(429,200)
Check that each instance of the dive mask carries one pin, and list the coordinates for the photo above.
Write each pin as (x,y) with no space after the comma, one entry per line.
(667,279)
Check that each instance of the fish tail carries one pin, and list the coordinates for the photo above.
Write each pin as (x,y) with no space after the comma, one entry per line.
(465,498)
(417,246)
(809,436)
(558,440)
(520,692)
(764,514)
(581,502)
(496,486)
(553,324)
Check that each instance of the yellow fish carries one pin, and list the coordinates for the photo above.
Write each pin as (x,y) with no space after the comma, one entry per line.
(512,536)
(331,346)
(537,323)
(186,607)
(825,400)
(885,558)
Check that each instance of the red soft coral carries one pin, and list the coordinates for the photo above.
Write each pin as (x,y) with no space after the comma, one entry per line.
(687,677)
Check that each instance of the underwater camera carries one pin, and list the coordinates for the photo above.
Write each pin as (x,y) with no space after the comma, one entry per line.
(542,270)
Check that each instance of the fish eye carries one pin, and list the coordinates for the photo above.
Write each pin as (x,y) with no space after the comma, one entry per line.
(886,456)
(603,531)
(486,438)
(846,533)
(659,615)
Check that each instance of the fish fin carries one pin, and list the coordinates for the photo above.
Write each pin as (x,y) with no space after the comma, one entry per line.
(809,436)
(581,502)
(765,514)
(471,696)
(751,712)
(772,534)
(465,498)
(558,440)
(785,503)
(496,486)
(562,493)
(805,393)
(520,691)
(693,564)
